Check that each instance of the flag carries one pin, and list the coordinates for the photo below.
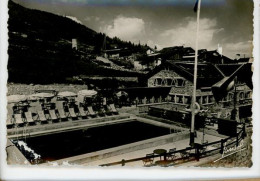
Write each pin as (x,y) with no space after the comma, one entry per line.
(196,6)
(221,88)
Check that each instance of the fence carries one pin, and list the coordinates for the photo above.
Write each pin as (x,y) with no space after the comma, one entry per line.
(194,153)
(177,116)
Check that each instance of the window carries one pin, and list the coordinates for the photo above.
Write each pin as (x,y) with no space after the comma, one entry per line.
(241,96)
(187,100)
(174,82)
(204,100)
(211,99)
(158,81)
(179,99)
(169,81)
(180,83)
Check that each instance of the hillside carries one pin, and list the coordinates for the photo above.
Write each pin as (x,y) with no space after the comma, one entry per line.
(40,49)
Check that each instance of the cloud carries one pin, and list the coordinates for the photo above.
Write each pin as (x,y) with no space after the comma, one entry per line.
(231,49)
(91,18)
(185,34)
(151,44)
(126,28)
(219,30)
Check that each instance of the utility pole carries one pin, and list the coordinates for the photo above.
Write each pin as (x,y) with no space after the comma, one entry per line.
(192,134)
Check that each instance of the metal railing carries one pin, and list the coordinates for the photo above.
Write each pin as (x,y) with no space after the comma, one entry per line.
(194,153)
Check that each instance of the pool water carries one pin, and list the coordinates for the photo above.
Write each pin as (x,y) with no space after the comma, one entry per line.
(62,145)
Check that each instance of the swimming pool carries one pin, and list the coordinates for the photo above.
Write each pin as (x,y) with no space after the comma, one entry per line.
(67,144)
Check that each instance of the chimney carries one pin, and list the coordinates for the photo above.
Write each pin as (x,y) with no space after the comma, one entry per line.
(74,44)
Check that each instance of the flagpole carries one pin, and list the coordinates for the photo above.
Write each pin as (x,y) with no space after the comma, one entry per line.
(195,79)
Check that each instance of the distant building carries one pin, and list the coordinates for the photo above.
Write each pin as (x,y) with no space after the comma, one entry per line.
(150,51)
(187,54)
(177,53)
(138,65)
(243,60)
(214,57)
(117,53)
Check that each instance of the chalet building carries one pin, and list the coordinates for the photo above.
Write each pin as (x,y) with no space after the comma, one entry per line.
(117,53)
(242,60)
(205,56)
(150,51)
(180,78)
(176,53)
(214,57)
(151,60)
(187,54)
(79,46)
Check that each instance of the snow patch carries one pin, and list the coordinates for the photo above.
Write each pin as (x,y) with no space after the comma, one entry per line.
(74,19)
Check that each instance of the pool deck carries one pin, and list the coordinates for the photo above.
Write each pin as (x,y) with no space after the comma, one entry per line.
(141,153)
(63,126)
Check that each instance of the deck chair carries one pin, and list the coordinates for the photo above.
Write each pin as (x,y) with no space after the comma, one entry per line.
(72,113)
(152,100)
(53,115)
(59,104)
(9,121)
(62,114)
(82,112)
(144,100)
(29,118)
(18,120)
(148,159)
(91,112)
(107,110)
(41,116)
(171,155)
(113,109)
(38,106)
(60,108)
(101,112)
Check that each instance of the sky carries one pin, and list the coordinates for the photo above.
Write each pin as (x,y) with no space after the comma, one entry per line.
(163,23)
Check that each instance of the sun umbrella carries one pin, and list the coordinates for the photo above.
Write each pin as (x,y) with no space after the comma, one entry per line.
(87,93)
(16,98)
(42,95)
(121,93)
(32,98)
(67,94)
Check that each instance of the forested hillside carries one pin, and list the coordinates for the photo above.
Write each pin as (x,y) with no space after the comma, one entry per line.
(40,49)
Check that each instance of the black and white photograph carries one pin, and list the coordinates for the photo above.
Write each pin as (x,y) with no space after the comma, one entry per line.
(130,84)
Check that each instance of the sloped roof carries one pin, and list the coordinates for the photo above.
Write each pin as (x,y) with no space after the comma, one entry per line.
(243,75)
(213,56)
(243,60)
(207,75)
(178,48)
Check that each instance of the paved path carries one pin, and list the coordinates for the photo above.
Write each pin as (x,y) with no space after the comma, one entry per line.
(141,153)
